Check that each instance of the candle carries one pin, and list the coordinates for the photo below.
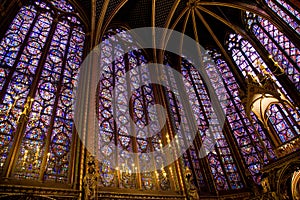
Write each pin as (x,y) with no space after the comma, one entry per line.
(176,139)
(164,174)
(161,146)
(157,174)
(30,103)
(118,175)
(25,157)
(171,173)
(256,79)
(15,101)
(9,108)
(37,153)
(48,156)
(168,139)
(25,154)
(19,116)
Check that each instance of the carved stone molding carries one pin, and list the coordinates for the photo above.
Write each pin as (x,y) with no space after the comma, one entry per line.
(30,191)
(276,177)
(288,148)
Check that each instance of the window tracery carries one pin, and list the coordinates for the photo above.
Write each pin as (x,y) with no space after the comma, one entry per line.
(125,70)
(221,163)
(286,12)
(278,46)
(39,58)
(249,62)
(242,129)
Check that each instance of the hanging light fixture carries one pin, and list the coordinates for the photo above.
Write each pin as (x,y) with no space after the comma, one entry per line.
(262,92)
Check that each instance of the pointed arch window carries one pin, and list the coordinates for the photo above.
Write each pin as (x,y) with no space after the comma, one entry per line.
(278,46)
(126,137)
(40,55)
(286,12)
(219,162)
(244,132)
(180,121)
(287,121)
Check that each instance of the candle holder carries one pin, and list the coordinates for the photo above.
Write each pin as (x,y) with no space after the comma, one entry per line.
(27,109)
(10,107)
(128,176)
(163,180)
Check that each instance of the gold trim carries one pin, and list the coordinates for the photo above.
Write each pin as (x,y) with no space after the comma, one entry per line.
(166,37)
(107,23)
(183,31)
(153,30)
(100,21)
(171,14)
(93,23)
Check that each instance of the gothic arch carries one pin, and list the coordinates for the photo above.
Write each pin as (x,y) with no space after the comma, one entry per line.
(285,174)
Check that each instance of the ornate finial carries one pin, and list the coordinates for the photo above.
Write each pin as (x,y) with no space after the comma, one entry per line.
(91,179)
(191,188)
(187,172)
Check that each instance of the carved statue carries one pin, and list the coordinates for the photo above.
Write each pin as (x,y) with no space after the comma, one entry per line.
(126,179)
(191,188)
(90,184)
(164,182)
(266,185)
(90,180)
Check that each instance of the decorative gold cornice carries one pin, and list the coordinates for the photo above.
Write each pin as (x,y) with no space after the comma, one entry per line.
(281,162)
(11,190)
(288,148)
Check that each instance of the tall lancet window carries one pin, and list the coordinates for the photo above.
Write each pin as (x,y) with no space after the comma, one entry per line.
(282,119)
(180,121)
(209,155)
(287,12)
(123,133)
(278,46)
(245,133)
(40,55)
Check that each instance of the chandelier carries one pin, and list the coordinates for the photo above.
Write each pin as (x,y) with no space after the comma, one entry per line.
(261,93)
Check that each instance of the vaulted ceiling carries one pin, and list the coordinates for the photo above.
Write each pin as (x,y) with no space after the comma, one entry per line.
(212,19)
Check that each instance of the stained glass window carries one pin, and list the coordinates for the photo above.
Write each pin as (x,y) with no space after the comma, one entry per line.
(39,61)
(286,12)
(180,121)
(278,45)
(116,86)
(249,61)
(221,164)
(241,127)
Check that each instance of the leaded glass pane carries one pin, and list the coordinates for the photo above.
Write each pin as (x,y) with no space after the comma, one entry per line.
(39,96)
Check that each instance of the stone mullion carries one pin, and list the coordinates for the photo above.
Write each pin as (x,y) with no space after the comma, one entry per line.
(12,157)
(52,121)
